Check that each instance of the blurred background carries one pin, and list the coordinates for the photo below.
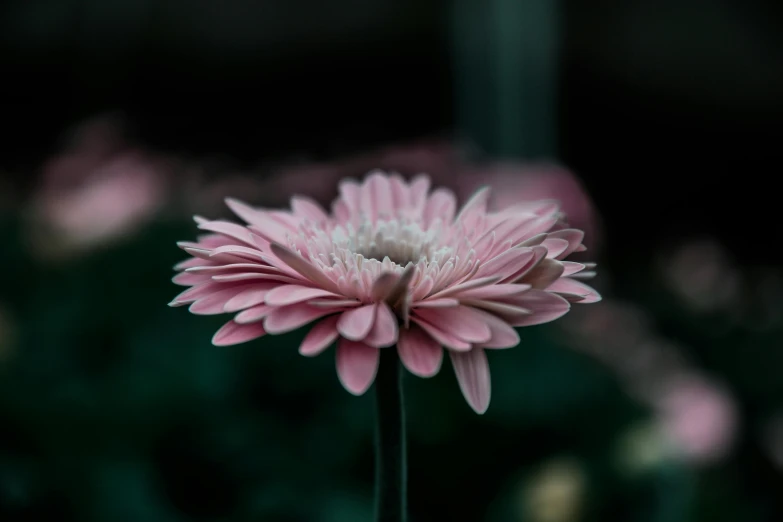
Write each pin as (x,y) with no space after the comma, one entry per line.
(652,121)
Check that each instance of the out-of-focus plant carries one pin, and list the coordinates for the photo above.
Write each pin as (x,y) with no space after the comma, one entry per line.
(100,189)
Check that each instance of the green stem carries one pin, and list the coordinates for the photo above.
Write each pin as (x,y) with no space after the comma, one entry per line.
(390,466)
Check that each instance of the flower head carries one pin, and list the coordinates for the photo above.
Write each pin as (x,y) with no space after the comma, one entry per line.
(393,264)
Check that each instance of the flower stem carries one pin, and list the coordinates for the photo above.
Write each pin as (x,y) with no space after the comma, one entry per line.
(390,465)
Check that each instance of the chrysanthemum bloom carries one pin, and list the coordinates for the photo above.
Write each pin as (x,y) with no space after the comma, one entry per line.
(393,265)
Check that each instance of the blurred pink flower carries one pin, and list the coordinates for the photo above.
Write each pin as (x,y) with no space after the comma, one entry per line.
(699,416)
(393,264)
(515,183)
(97,191)
(438,159)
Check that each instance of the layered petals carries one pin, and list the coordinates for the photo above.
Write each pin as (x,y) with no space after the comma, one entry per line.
(392,264)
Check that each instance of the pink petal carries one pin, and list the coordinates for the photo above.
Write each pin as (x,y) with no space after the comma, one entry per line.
(400,290)
(350,194)
(574,238)
(547,271)
(538,226)
(510,313)
(513,230)
(357,365)
(269,228)
(443,338)
(405,310)
(587,274)
(320,337)
(545,306)
(384,330)
(254,295)
(494,292)
(254,277)
(188,263)
(441,205)
(285,218)
(190,279)
(443,277)
(224,258)
(539,253)
(307,208)
(195,249)
(419,188)
(476,206)
(196,292)
(213,303)
(399,192)
(212,240)
(376,196)
(253,314)
(423,288)
(437,303)
(233,267)
(570,268)
(334,303)
(288,318)
(472,370)
(485,243)
(467,285)
(383,286)
(420,353)
(232,333)
(569,286)
(463,322)
(503,335)
(340,211)
(303,267)
(507,263)
(238,251)
(534,241)
(232,230)
(356,324)
(291,294)
(555,246)
(243,210)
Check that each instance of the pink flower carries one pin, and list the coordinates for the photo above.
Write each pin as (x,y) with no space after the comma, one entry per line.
(393,264)
(699,417)
(96,191)
(120,197)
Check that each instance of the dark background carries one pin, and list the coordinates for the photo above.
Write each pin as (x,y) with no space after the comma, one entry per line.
(114,407)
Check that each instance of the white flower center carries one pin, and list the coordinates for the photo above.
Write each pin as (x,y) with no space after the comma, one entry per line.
(402,241)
